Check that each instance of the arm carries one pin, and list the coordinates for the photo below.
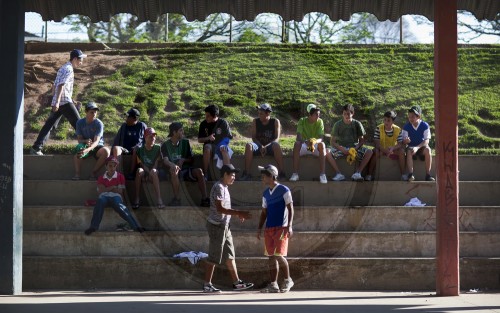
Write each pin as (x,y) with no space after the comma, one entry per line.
(289,207)
(262,220)
(241,214)
(101,188)
(58,94)
(333,143)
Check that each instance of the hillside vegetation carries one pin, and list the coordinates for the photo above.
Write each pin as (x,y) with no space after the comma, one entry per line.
(175,83)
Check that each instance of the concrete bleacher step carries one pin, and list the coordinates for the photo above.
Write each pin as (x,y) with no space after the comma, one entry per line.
(346,193)
(302,244)
(404,274)
(471,168)
(307,218)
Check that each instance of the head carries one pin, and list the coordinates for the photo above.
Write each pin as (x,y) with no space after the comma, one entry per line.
(150,135)
(313,112)
(389,118)
(76,57)
(91,110)
(347,113)
(111,164)
(228,174)
(414,114)
(264,111)
(176,131)
(269,174)
(132,116)
(211,113)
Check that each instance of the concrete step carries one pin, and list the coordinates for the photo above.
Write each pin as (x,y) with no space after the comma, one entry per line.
(471,168)
(403,274)
(305,193)
(303,244)
(307,218)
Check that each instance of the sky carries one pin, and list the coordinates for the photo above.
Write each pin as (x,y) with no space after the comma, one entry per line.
(424,33)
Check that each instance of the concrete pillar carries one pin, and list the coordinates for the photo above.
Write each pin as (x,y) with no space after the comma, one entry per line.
(446,112)
(11,151)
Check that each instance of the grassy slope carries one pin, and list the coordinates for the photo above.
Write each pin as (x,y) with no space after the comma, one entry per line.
(176,83)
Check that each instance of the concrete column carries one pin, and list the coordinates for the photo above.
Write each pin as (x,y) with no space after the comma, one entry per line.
(11,151)
(446,112)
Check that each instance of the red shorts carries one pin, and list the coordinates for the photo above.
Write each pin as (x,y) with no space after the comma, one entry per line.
(276,241)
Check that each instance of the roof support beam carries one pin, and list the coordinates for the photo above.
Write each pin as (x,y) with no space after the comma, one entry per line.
(446,112)
(11,153)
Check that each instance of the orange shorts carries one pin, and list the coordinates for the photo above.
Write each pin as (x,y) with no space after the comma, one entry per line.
(276,241)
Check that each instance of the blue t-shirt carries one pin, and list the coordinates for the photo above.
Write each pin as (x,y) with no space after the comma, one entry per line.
(417,135)
(90,130)
(130,137)
(275,201)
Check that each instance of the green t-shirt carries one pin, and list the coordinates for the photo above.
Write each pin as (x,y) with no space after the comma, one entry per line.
(148,157)
(310,130)
(180,151)
(347,135)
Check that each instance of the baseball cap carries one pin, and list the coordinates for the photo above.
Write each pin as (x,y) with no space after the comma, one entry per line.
(228,168)
(77,54)
(175,126)
(265,107)
(133,113)
(111,159)
(271,169)
(91,106)
(311,108)
(149,131)
(416,109)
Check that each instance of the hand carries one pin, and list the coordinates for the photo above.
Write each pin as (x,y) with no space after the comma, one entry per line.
(414,150)
(290,231)
(262,151)
(344,150)
(258,233)
(243,215)
(211,137)
(55,107)
(406,140)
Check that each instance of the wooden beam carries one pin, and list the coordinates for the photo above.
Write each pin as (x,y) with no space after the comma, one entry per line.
(446,112)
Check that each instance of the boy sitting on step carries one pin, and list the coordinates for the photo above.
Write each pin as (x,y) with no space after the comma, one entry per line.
(110,187)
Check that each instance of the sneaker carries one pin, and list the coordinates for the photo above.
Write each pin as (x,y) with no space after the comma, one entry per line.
(89,231)
(323,179)
(338,177)
(288,285)
(210,288)
(271,288)
(241,285)
(205,202)
(295,177)
(357,177)
(428,177)
(246,177)
(123,227)
(411,177)
(35,152)
(368,178)
(404,177)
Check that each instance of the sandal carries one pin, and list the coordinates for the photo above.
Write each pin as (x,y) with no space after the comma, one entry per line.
(135,206)
(76,177)
(161,206)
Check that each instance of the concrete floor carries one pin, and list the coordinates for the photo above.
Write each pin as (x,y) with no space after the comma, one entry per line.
(248,301)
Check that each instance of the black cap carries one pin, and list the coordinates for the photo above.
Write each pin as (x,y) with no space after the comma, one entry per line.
(265,107)
(133,113)
(91,106)
(175,126)
(77,54)
(228,168)
(416,109)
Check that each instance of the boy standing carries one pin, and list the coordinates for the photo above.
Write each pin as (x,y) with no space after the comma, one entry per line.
(417,134)
(221,246)
(277,213)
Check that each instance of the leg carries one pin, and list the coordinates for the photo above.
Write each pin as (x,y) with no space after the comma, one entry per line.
(207,156)
(225,155)
(273,269)
(233,271)
(174,179)
(209,272)
(202,186)
(102,154)
(278,156)
(78,165)
(98,213)
(138,181)
(248,157)
(401,160)
(366,158)
(283,265)
(373,161)
(331,161)
(296,156)
(116,151)
(69,111)
(45,131)
(428,159)
(153,174)
(409,161)
(322,153)
(124,212)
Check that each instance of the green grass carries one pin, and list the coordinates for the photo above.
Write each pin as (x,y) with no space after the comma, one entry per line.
(177,82)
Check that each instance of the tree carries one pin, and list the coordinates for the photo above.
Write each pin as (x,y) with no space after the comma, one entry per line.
(249,35)
(471,28)
(178,29)
(120,28)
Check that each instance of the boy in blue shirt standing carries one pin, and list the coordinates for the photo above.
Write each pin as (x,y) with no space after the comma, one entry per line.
(277,212)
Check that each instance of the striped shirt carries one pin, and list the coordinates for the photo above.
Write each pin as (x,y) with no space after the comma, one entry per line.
(64,76)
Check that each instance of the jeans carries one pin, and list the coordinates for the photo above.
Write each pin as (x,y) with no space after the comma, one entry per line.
(117,204)
(68,110)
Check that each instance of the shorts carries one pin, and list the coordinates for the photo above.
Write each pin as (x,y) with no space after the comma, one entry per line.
(93,152)
(420,153)
(215,148)
(304,151)
(256,149)
(220,246)
(337,154)
(276,241)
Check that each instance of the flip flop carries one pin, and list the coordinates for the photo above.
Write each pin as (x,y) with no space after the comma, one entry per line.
(161,206)
(135,206)
(75,178)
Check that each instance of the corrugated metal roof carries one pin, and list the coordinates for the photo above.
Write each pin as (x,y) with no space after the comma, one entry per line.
(101,10)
